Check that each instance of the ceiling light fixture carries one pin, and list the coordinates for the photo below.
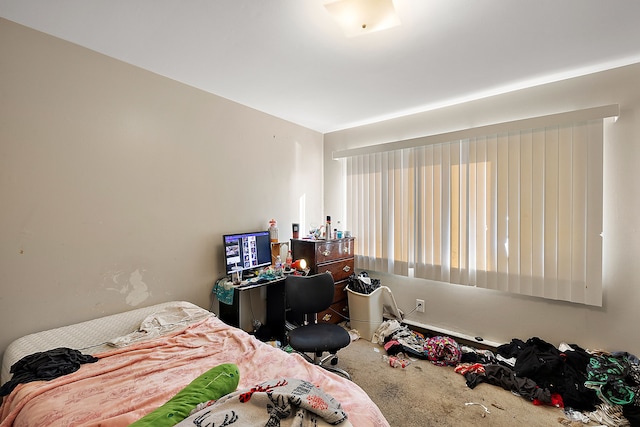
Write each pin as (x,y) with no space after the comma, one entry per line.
(358,17)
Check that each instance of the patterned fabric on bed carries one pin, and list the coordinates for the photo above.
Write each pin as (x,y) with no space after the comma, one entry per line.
(130,382)
(283,402)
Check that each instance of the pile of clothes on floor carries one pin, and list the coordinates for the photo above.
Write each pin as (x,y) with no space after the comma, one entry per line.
(398,338)
(589,385)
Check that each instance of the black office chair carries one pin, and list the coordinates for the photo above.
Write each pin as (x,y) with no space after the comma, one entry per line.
(307,296)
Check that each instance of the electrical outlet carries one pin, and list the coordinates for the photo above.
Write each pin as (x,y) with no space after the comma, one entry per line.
(420,305)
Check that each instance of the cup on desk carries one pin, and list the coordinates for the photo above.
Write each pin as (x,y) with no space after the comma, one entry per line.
(295,230)
(236,277)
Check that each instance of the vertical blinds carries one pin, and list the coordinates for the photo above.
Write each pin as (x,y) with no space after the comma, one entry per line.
(517,211)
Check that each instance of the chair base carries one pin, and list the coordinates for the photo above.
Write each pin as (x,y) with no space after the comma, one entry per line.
(319,361)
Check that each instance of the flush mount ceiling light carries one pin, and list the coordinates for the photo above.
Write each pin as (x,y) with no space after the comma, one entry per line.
(358,17)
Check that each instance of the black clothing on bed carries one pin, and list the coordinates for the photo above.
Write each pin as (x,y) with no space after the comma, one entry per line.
(45,365)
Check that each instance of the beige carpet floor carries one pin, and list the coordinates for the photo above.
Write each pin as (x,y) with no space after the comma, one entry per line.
(425,395)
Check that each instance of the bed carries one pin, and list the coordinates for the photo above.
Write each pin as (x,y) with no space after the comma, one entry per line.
(147,356)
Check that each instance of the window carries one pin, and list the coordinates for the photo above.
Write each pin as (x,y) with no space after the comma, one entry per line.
(513,210)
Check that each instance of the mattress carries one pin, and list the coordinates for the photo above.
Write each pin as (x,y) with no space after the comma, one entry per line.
(89,337)
(137,377)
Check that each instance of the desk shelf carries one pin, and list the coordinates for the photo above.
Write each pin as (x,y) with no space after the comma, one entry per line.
(276,249)
(275,311)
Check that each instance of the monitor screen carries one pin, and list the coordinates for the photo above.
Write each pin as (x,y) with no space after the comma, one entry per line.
(246,251)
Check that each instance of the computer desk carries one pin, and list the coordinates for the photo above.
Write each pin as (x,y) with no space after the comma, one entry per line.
(275,308)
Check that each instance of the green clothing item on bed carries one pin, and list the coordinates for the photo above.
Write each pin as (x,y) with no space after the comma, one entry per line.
(212,385)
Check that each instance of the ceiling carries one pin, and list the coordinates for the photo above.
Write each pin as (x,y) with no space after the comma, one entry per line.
(289,59)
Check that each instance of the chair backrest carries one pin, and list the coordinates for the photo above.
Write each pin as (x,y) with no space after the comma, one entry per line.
(309,294)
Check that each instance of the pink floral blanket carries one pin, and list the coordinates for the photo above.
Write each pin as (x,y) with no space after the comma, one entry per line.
(127,383)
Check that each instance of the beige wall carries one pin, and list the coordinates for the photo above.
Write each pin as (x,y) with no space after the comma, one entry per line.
(116,184)
(499,316)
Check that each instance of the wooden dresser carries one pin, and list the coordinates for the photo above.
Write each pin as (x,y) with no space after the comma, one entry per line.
(336,257)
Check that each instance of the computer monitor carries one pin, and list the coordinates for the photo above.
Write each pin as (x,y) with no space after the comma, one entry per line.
(246,251)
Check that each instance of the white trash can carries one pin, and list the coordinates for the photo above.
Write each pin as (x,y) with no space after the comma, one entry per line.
(365,311)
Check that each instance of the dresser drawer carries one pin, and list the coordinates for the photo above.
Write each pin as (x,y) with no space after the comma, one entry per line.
(340,270)
(340,291)
(334,250)
(332,316)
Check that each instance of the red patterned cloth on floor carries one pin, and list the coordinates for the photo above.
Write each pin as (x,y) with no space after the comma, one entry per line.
(463,368)
(442,351)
